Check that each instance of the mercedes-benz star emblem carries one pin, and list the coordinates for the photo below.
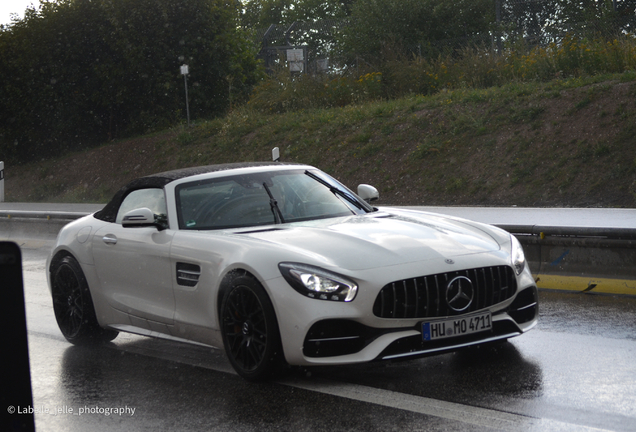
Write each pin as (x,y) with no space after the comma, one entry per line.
(460,293)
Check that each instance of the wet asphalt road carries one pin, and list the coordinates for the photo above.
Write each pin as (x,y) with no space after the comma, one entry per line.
(575,371)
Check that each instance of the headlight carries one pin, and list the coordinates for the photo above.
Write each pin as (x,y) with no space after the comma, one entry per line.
(318,283)
(517,256)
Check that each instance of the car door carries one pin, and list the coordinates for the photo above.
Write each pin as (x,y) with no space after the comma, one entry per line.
(133,264)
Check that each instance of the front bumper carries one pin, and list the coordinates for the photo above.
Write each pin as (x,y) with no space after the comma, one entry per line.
(337,337)
(317,332)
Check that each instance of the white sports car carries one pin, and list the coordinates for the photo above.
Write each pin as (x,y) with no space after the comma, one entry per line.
(280,262)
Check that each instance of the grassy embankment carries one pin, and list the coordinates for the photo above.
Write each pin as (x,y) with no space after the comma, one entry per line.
(533,138)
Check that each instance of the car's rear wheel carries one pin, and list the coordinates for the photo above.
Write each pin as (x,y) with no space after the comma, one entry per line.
(73,305)
(250,330)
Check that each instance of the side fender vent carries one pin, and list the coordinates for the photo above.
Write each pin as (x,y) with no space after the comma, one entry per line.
(188,274)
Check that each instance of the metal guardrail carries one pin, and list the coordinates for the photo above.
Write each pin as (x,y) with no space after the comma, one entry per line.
(535,230)
(26,214)
(574,232)
(25,226)
(583,259)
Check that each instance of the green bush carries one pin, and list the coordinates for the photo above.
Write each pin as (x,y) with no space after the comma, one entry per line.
(286,92)
(474,68)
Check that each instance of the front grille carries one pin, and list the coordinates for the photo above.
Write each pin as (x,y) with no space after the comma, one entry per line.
(425,296)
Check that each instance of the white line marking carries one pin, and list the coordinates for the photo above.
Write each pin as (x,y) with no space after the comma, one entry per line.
(481,417)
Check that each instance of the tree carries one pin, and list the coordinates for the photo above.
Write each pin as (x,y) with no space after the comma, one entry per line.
(263,13)
(413,26)
(259,14)
(595,17)
(308,23)
(539,22)
(531,21)
(84,71)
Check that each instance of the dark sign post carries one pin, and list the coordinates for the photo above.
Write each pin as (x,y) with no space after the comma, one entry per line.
(1,181)
(184,72)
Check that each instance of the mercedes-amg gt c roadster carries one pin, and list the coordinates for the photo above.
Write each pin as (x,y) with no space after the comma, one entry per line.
(277,262)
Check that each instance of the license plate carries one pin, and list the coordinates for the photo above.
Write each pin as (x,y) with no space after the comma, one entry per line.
(456,326)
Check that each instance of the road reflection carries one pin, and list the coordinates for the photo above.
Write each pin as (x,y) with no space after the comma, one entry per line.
(167,395)
(469,376)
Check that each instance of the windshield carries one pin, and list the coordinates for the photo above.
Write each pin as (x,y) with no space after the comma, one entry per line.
(263,199)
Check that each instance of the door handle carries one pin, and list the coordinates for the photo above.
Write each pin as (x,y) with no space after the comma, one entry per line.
(110,239)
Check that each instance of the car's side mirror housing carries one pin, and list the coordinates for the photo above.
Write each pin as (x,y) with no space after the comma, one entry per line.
(368,193)
(142,217)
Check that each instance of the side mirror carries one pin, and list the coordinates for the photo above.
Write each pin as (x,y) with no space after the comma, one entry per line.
(368,193)
(142,217)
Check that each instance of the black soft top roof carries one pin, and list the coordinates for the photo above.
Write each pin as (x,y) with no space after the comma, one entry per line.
(159,180)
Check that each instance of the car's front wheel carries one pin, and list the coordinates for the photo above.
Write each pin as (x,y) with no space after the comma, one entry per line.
(73,305)
(249,328)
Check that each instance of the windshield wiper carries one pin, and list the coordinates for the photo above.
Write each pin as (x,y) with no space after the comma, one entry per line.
(278,216)
(339,192)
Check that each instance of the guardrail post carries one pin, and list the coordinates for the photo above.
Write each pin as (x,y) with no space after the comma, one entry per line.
(1,181)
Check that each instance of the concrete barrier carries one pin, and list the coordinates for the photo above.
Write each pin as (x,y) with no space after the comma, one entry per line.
(581,259)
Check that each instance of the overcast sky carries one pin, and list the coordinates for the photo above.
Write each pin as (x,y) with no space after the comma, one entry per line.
(7,7)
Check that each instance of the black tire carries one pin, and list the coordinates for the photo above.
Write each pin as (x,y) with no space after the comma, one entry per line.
(250,330)
(73,305)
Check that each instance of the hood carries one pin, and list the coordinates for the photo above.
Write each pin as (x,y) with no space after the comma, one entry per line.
(380,239)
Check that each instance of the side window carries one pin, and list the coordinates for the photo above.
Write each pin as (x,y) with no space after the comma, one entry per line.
(154,199)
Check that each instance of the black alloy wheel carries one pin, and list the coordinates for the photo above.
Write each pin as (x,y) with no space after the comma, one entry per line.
(73,305)
(249,328)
